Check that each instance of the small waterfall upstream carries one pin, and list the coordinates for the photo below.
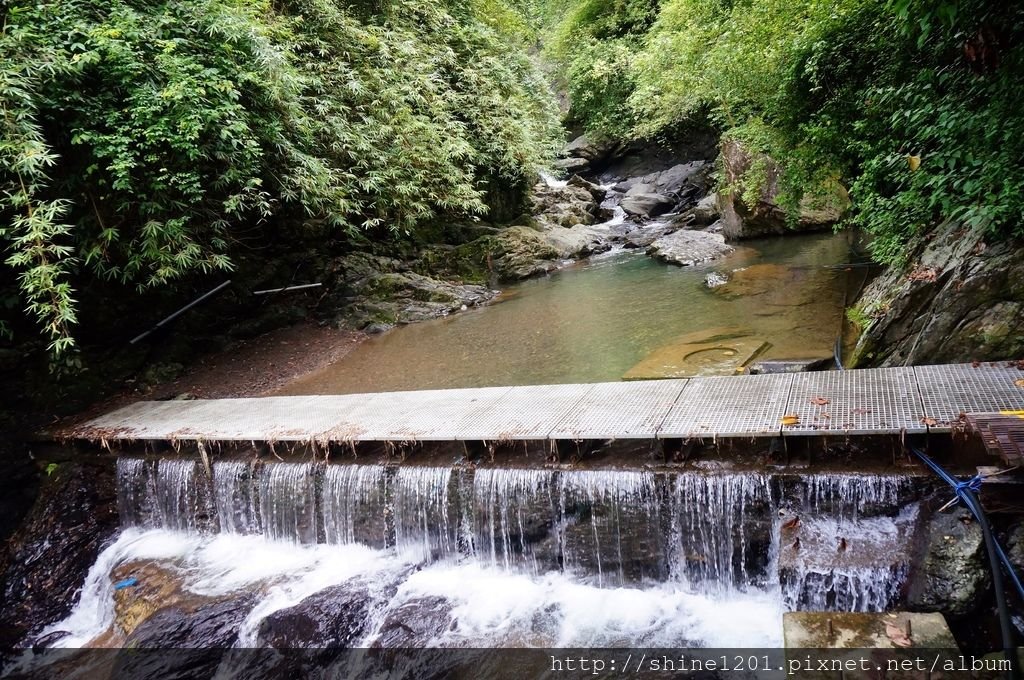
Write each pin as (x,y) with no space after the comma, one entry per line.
(520,556)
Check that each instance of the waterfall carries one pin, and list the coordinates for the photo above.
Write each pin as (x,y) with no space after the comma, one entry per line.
(355,506)
(512,509)
(713,534)
(167,494)
(722,530)
(287,496)
(424,517)
(235,497)
(610,524)
(134,491)
(849,496)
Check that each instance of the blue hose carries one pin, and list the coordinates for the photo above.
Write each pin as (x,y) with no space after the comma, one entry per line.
(966,491)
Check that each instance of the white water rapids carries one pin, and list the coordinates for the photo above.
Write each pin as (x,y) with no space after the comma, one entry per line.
(520,558)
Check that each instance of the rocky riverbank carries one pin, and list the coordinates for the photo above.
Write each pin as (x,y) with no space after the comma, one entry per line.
(958,298)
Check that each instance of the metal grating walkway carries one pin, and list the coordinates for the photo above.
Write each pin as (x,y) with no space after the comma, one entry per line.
(868,401)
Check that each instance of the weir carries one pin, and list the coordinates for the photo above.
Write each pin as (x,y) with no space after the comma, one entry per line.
(709,532)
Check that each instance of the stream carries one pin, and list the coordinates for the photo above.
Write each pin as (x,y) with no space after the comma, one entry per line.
(593,321)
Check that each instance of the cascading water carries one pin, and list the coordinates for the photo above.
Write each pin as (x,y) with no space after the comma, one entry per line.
(843,554)
(723,530)
(511,510)
(287,502)
(425,524)
(516,556)
(235,497)
(601,507)
(355,505)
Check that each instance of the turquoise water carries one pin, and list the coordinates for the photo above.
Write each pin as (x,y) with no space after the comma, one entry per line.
(593,321)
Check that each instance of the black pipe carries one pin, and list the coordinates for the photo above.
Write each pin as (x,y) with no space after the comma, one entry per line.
(1005,627)
(172,317)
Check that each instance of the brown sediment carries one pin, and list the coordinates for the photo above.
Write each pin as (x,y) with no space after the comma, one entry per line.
(249,368)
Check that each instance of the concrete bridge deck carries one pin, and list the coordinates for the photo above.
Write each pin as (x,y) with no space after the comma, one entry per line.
(858,402)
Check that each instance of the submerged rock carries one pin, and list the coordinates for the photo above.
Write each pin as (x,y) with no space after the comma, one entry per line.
(689,247)
(49,556)
(716,279)
(953,576)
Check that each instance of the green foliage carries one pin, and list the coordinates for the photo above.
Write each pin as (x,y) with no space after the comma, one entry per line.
(834,91)
(140,141)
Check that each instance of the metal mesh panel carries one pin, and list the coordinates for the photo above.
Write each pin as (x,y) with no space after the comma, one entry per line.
(428,415)
(953,389)
(871,401)
(625,410)
(729,406)
(524,413)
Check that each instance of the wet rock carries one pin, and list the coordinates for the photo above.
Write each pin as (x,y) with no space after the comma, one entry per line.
(184,642)
(646,234)
(671,181)
(572,164)
(689,247)
(334,617)
(594,150)
(765,216)
(378,328)
(1015,546)
(48,557)
(156,586)
(953,575)
(791,365)
(647,205)
(596,192)
(959,299)
(416,623)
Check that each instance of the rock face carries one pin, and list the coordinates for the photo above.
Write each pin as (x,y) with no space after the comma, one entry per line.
(48,558)
(382,290)
(689,247)
(765,216)
(958,300)
(953,576)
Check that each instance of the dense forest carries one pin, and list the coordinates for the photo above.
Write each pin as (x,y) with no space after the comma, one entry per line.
(145,145)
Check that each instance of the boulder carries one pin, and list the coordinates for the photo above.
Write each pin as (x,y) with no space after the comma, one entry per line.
(689,247)
(673,180)
(334,617)
(647,204)
(595,150)
(416,623)
(958,299)
(565,206)
(764,216)
(953,575)
(706,210)
(598,193)
(372,290)
(572,164)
